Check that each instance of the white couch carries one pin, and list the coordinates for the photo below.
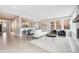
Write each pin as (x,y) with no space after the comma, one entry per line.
(39,33)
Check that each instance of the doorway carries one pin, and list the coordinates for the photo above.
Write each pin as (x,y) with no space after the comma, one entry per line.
(0,26)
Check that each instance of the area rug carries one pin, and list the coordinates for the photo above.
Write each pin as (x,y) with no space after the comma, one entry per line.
(56,45)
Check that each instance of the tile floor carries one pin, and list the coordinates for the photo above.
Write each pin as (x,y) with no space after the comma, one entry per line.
(9,43)
(13,44)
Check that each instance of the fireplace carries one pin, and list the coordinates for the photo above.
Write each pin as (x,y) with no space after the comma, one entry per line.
(78,33)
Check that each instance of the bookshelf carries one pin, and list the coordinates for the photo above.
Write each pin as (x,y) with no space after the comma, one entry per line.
(52,25)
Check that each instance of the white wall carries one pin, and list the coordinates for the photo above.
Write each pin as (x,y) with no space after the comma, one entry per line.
(17,26)
(73,25)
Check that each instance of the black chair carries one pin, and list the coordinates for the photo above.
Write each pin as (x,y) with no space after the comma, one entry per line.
(29,32)
(52,34)
(53,31)
(24,32)
(61,33)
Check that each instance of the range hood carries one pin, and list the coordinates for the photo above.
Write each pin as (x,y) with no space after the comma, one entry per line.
(76,19)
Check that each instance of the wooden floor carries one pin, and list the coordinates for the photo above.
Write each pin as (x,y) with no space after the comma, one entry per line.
(9,43)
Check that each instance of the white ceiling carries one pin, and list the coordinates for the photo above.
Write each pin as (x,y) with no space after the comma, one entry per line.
(37,12)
